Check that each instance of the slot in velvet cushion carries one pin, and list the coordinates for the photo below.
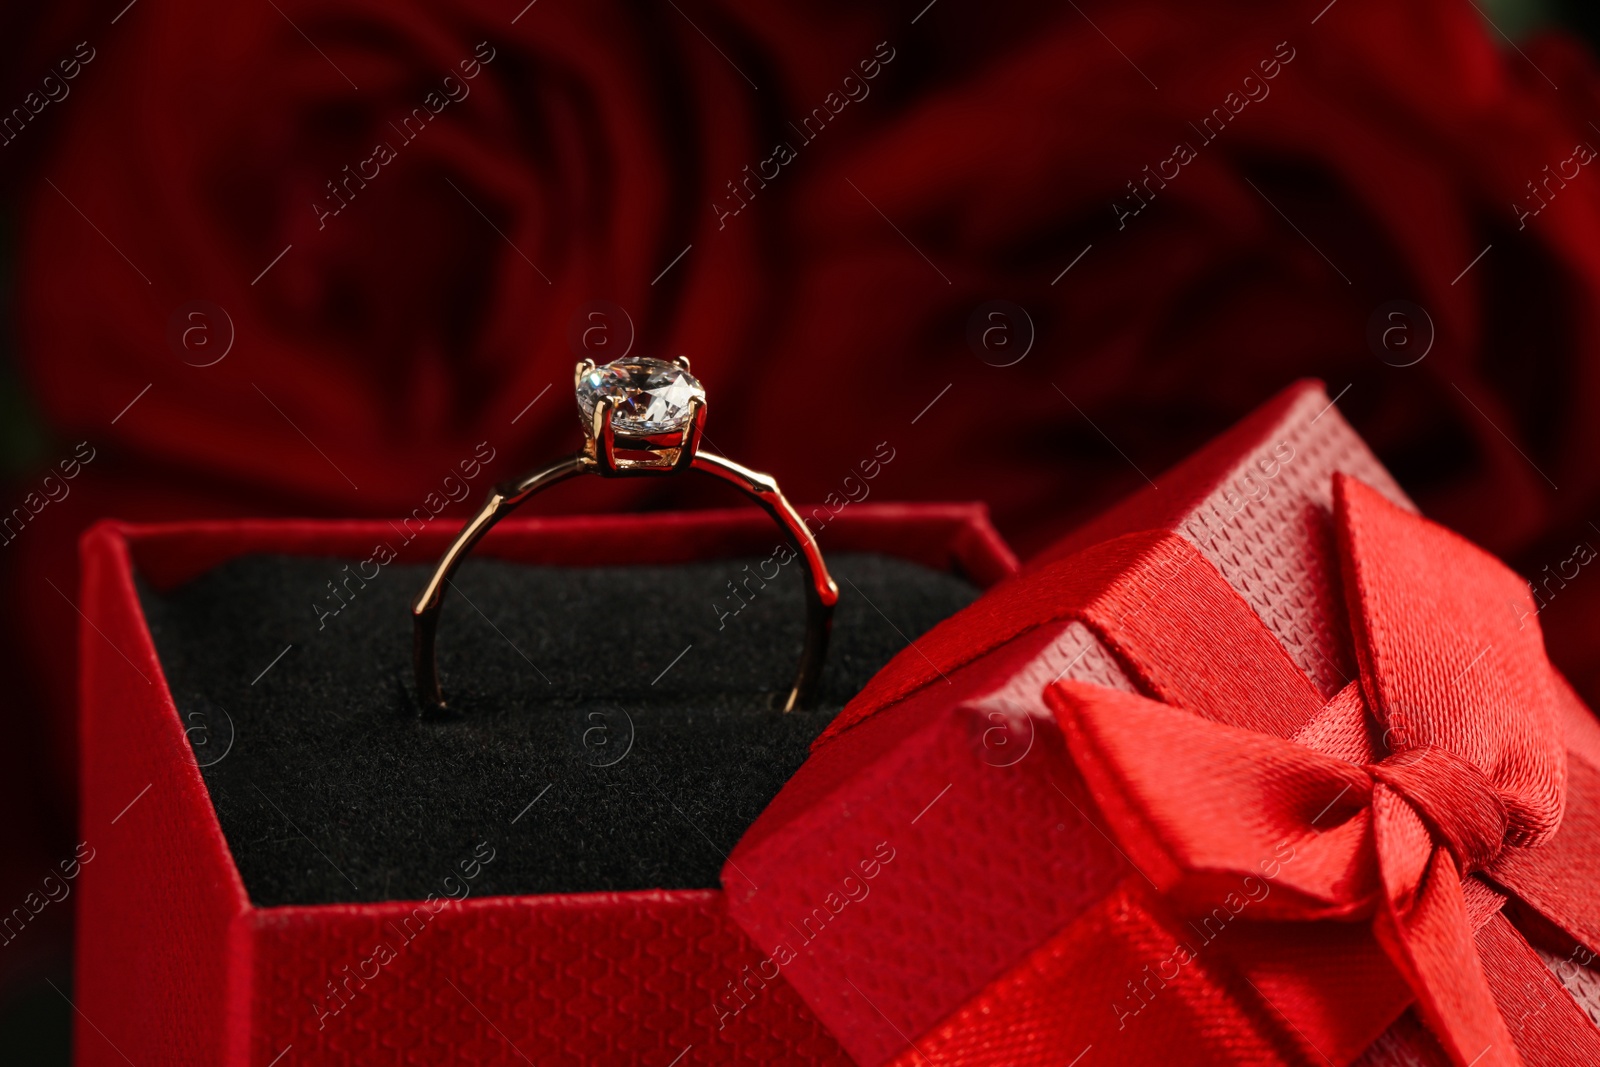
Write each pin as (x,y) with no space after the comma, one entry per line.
(642,767)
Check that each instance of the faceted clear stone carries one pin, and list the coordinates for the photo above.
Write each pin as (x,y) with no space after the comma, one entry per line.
(652,396)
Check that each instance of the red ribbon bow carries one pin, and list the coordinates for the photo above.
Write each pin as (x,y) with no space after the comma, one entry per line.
(1447,758)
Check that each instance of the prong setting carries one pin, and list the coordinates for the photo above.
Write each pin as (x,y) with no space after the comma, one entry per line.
(603,437)
(689,445)
(640,416)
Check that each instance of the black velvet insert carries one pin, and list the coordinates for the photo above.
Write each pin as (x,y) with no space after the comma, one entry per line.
(614,737)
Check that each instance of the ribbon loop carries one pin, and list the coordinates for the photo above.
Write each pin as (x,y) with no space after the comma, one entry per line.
(1451,654)
(1453,797)
(1467,702)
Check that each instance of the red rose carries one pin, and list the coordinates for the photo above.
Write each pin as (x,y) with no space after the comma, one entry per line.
(394,215)
(1314,173)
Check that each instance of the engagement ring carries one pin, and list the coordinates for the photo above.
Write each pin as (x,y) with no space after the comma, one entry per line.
(641,417)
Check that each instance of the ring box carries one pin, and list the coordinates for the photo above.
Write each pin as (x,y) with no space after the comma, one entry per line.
(176,965)
(935,863)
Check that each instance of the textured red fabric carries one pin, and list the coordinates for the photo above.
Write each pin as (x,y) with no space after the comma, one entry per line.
(1198,805)
(1531,1000)
(1082,969)
(1452,655)
(1468,770)
(1568,865)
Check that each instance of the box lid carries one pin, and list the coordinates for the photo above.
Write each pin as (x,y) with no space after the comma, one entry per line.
(921,854)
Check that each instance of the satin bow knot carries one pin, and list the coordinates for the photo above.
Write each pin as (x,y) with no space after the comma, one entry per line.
(1453,797)
(1458,685)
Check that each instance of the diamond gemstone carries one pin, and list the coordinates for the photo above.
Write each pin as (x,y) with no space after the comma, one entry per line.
(652,396)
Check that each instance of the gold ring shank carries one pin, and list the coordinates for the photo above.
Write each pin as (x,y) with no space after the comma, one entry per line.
(821,592)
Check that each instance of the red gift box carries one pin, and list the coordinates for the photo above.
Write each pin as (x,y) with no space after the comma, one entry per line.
(1018,845)
(176,966)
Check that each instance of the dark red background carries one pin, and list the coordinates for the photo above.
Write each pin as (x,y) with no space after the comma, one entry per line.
(374,349)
